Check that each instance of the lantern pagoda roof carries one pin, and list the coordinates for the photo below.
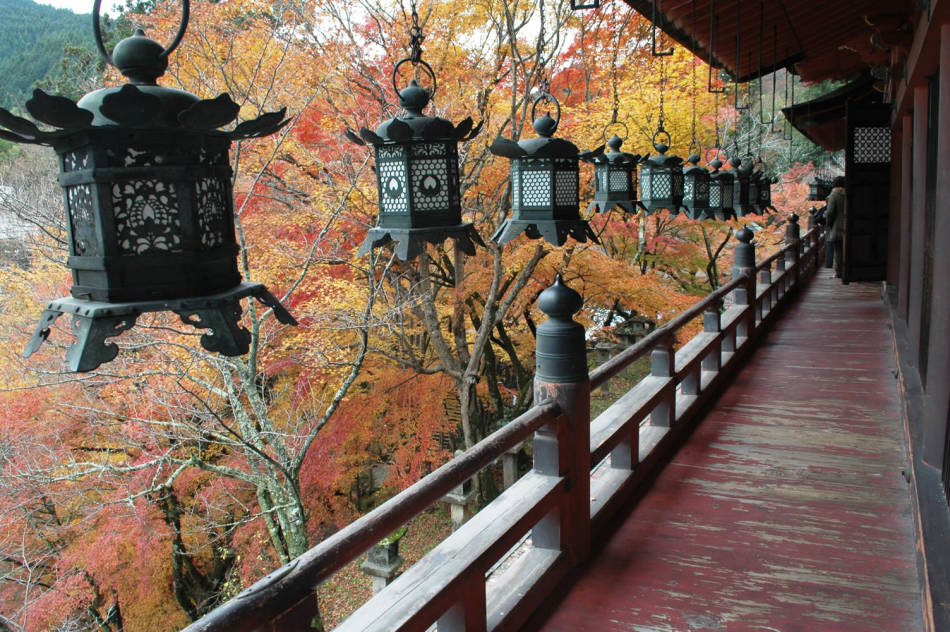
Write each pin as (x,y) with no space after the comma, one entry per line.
(612,156)
(660,159)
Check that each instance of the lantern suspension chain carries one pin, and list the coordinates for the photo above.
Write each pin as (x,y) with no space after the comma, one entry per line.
(415,37)
(659,127)
(694,140)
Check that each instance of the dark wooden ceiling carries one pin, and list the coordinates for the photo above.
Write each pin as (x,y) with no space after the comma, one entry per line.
(817,40)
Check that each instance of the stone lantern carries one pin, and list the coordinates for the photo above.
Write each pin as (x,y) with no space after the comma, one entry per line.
(147,191)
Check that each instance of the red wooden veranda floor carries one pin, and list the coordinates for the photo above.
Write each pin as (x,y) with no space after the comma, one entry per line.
(786,511)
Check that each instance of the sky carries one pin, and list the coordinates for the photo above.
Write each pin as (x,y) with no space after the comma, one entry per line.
(82,6)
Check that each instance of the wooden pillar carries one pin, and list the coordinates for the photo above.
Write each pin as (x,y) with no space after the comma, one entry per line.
(918,218)
(903,287)
(937,395)
(563,448)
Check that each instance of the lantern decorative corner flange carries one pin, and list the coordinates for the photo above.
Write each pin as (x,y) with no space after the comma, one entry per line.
(146,183)
(544,183)
(417,172)
(615,176)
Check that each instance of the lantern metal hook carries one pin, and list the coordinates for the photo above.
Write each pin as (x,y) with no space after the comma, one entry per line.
(418,63)
(97,31)
(655,52)
(626,130)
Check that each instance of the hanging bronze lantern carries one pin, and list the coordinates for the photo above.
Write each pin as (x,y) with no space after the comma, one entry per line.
(741,202)
(544,183)
(754,191)
(721,189)
(696,190)
(417,172)
(615,178)
(661,178)
(149,211)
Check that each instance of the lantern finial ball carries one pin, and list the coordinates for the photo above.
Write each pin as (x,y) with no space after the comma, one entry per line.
(615,142)
(414,98)
(545,125)
(140,58)
(661,147)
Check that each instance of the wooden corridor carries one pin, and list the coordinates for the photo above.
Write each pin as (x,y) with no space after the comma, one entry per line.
(787,509)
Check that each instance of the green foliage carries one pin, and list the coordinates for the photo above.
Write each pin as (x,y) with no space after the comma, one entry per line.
(32,40)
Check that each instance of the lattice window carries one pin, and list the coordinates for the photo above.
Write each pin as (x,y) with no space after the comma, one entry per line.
(715,195)
(146,216)
(645,182)
(688,189)
(662,186)
(872,145)
(537,188)
(430,185)
(566,189)
(212,211)
(619,181)
(392,178)
(82,220)
(702,189)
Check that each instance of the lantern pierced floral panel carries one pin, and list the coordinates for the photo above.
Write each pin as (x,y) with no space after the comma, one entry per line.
(82,222)
(392,178)
(212,211)
(146,216)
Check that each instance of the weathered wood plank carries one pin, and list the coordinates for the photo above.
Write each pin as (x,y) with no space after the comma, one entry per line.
(786,509)
(425,591)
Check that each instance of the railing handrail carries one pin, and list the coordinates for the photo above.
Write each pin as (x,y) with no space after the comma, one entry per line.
(670,397)
(288,585)
(631,354)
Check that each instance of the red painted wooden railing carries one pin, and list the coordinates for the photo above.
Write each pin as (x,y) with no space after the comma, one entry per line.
(584,470)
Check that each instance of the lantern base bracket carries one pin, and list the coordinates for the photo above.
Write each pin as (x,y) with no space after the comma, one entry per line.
(554,231)
(94,321)
(410,242)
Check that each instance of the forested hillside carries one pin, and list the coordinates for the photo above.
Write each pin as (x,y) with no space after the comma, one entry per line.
(33,38)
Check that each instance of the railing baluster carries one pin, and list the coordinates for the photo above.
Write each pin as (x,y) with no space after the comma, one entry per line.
(468,614)
(662,364)
(712,323)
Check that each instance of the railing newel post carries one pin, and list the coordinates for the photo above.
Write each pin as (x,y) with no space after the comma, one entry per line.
(663,365)
(795,247)
(563,448)
(744,295)
(765,305)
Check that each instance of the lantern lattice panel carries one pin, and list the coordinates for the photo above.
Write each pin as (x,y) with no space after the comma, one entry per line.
(537,188)
(872,145)
(430,184)
(662,185)
(146,216)
(212,211)
(715,196)
(566,188)
(619,181)
(394,195)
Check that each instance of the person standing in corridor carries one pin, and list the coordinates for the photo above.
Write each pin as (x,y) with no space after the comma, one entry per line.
(834,218)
